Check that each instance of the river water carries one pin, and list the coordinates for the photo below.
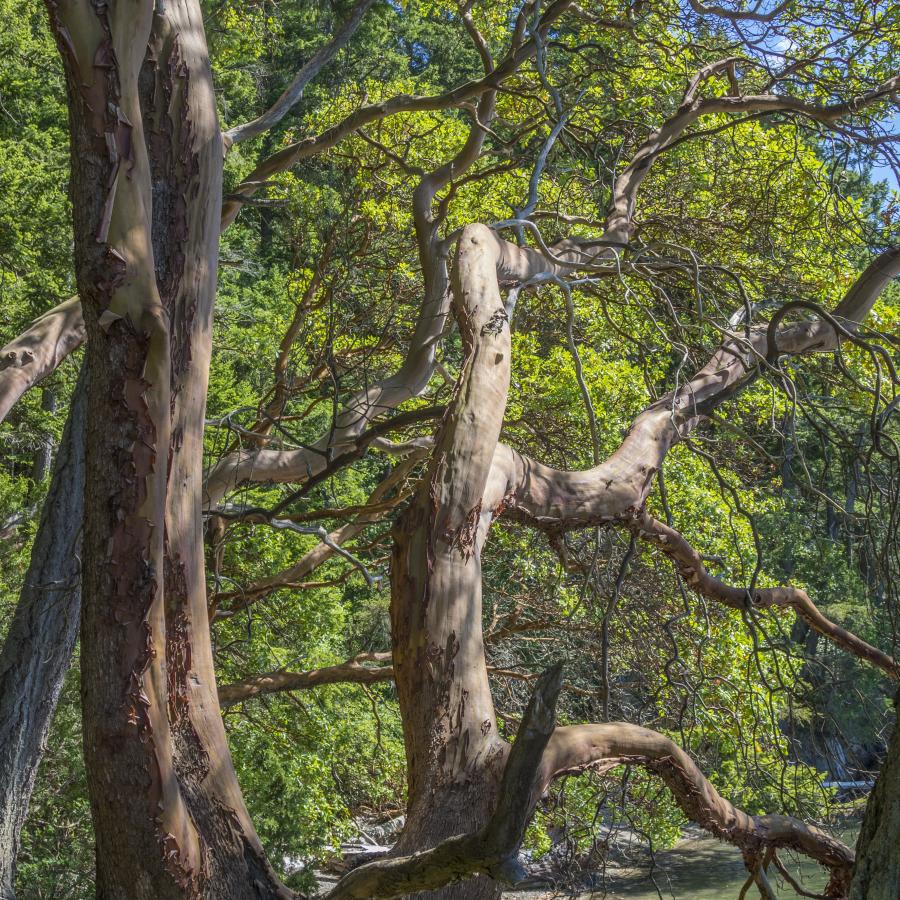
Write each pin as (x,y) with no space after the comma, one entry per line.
(697,869)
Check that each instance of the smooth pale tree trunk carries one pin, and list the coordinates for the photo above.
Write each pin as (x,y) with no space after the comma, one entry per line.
(41,639)
(146,151)
(876,875)
(454,754)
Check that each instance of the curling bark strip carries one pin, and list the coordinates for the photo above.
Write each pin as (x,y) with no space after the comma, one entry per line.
(127,735)
(146,174)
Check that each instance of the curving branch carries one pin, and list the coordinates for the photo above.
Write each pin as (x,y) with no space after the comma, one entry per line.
(418,366)
(294,91)
(620,223)
(378,503)
(37,352)
(737,15)
(628,474)
(558,500)
(575,748)
(690,565)
(519,52)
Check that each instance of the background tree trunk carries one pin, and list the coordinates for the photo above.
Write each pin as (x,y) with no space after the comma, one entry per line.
(38,648)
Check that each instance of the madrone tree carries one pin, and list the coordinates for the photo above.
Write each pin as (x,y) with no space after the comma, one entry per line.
(146,186)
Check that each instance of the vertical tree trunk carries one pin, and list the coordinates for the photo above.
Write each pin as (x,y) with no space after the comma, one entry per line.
(876,875)
(147,154)
(454,755)
(39,645)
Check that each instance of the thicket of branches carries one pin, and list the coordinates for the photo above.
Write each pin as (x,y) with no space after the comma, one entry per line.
(610,282)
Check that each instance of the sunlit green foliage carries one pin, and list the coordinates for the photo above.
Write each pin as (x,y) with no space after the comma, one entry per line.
(772,213)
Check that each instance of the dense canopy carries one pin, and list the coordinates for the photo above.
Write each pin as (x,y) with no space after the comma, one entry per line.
(480,413)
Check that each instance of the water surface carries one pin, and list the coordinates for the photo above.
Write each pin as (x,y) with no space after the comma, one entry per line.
(698,869)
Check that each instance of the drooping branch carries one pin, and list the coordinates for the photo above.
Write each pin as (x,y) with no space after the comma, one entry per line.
(37,352)
(690,565)
(493,849)
(294,91)
(575,748)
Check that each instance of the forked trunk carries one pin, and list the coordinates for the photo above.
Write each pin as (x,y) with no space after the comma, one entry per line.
(146,184)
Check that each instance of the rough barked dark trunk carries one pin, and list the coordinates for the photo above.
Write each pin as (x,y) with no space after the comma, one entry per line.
(876,875)
(38,649)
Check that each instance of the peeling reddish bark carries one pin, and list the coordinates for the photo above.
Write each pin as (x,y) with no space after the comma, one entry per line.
(146,179)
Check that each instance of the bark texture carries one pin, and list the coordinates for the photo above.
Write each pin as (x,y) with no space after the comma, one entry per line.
(37,352)
(38,648)
(168,815)
(877,872)
(454,755)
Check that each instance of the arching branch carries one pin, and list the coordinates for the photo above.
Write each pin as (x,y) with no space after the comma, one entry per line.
(558,500)
(578,747)
(294,91)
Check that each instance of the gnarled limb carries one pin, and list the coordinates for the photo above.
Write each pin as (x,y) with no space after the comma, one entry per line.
(37,352)
(690,565)
(578,747)
(558,500)
(418,365)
